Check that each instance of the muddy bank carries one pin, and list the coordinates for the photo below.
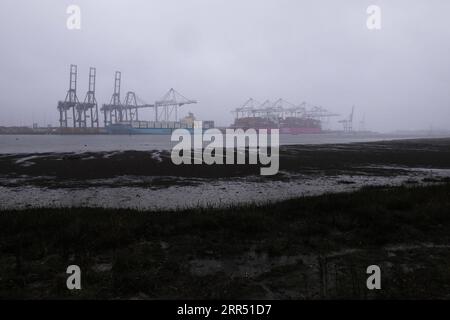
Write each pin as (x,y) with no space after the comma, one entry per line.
(150,181)
(326,159)
(163,193)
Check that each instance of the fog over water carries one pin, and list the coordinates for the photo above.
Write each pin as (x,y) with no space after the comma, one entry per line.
(223,52)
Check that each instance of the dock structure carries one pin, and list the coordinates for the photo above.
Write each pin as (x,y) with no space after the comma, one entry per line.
(117,111)
(71,100)
(169,105)
(348,122)
(86,114)
(113,111)
(79,112)
(89,108)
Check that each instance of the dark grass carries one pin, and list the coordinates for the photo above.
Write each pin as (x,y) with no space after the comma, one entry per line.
(149,255)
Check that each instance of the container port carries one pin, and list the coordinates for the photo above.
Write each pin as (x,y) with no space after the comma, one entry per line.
(281,114)
(122,116)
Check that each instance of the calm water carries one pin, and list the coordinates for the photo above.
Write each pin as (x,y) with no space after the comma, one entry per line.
(85,143)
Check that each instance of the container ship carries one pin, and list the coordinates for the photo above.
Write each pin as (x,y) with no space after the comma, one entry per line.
(282,115)
(157,127)
(289,125)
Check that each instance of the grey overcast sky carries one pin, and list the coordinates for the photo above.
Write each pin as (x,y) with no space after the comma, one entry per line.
(221,52)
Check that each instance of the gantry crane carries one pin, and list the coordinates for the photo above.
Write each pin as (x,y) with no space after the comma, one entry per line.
(348,123)
(169,105)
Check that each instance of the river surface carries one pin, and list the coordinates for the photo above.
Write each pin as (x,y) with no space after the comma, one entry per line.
(95,143)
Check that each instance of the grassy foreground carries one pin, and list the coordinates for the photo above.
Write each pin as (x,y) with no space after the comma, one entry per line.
(311,248)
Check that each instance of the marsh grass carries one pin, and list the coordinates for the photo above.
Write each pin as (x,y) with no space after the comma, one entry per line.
(134,254)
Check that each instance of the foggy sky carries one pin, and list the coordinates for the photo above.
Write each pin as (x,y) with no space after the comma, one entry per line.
(222,52)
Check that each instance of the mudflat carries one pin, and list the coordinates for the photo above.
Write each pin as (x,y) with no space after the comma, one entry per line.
(305,247)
